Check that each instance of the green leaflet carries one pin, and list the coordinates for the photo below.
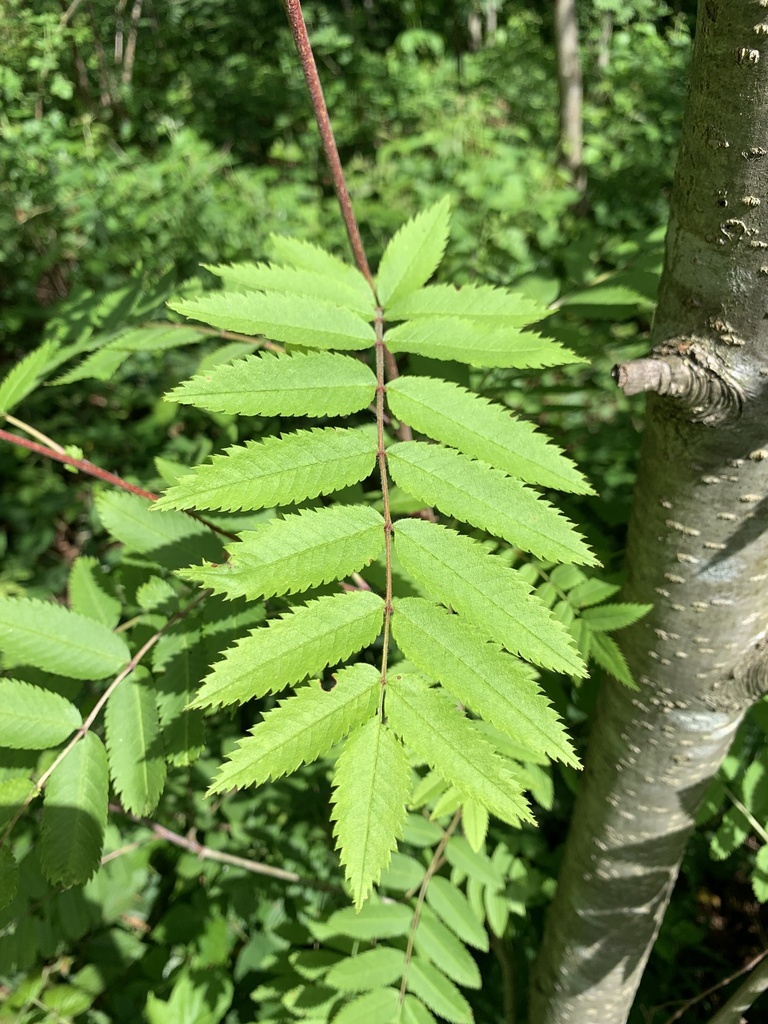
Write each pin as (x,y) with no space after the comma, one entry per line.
(318,284)
(414,254)
(372,784)
(32,718)
(277,471)
(460,573)
(301,729)
(306,256)
(377,1007)
(288,555)
(477,494)
(86,596)
(102,365)
(479,302)
(415,1012)
(75,814)
(451,744)
(449,413)
(479,674)
(9,877)
(178,664)
(51,637)
(172,539)
(25,375)
(476,343)
(436,943)
(375,920)
(309,384)
(371,969)
(440,994)
(452,907)
(608,655)
(282,317)
(608,617)
(287,650)
(136,761)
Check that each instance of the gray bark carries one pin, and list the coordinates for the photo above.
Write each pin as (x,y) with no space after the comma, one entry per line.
(570,89)
(698,546)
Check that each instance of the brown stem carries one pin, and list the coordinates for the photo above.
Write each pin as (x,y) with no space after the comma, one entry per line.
(307,58)
(130,47)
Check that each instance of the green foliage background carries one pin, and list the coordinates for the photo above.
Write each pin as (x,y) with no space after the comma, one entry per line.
(114,192)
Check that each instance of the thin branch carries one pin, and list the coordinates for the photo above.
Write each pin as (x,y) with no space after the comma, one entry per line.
(745,995)
(434,864)
(85,727)
(33,432)
(68,14)
(207,853)
(307,58)
(718,985)
(130,46)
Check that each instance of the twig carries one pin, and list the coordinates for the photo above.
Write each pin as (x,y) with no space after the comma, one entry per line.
(721,984)
(130,46)
(34,432)
(307,58)
(206,853)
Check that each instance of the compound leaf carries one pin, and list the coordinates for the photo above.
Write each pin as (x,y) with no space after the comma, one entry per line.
(25,375)
(306,256)
(300,551)
(460,573)
(32,718)
(371,969)
(136,763)
(608,655)
(75,814)
(55,639)
(449,413)
(310,384)
(480,675)
(476,343)
(477,494)
(452,907)
(277,471)
(436,943)
(451,744)
(292,318)
(372,784)
(440,994)
(608,617)
(299,644)
(301,729)
(413,255)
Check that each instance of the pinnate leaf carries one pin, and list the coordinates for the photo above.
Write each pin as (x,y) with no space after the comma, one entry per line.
(371,969)
(608,617)
(460,573)
(440,994)
(297,552)
(436,943)
(338,288)
(55,639)
(104,363)
(25,375)
(608,655)
(480,675)
(299,644)
(310,384)
(372,784)
(477,494)
(414,254)
(301,729)
(136,762)
(296,319)
(451,744)
(32,718)
(277,471)
(476,343)
(449,413)
(453,908)
(75,814)
(478,302)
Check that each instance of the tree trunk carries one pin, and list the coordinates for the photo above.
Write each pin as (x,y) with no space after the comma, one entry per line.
(570,89)
(698,547)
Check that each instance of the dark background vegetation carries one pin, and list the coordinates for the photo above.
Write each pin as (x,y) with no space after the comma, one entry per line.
(123,170)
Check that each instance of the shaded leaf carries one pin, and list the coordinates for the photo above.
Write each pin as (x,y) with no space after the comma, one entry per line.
(75,814)
(607,653)
(9,877)
(86,597)
(32,718)
(136,763)
(55,639)
(608,617)
(22,379)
